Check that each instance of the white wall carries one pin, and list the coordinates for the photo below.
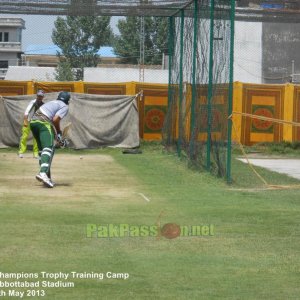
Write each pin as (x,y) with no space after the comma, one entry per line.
(105,75)
(124,75)
(30,73)
(248,52)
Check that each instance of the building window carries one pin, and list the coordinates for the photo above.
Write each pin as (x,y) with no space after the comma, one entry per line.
(19,35)
(5,36)
(3,64)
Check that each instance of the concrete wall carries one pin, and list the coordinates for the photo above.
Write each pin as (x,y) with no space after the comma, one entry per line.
(103,75)
(264,52)
(30,73)
(11,57)
(281,44)
(248,52)
(13,34)
(112,75)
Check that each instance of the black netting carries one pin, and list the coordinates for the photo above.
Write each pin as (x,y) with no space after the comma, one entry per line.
(200,83)
(254,10)
(94,7)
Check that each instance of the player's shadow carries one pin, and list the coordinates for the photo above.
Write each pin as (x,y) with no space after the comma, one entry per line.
(66,184)
(63,184)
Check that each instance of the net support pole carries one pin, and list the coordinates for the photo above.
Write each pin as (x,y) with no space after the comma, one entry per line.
(180,83)
(230,93)
(171,87)
(194,90)
(210,85)
(171,55)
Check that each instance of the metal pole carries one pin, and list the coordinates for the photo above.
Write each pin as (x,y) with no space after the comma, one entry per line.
(230,93)
(194,90)
(180,83)
(171,55)
(210,85)
(293,70)
(171,86)
(142,49)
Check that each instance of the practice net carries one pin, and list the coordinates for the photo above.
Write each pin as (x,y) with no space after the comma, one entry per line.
(200,87)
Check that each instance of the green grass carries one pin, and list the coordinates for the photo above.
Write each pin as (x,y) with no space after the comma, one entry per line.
(254,253)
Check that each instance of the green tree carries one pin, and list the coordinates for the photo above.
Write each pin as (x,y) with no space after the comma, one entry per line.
(64,71)
(79,39)
(127,44)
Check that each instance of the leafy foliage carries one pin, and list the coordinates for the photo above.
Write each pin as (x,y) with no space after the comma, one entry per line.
(79,39)
(64,71)
(127,45)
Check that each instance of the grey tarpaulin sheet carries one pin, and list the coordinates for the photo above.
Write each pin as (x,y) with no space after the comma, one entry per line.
(97,120)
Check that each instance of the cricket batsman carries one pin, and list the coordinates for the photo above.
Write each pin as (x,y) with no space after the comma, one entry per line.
(45,127)
(32,107)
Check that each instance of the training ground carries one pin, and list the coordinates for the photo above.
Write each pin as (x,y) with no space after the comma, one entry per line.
(253,252)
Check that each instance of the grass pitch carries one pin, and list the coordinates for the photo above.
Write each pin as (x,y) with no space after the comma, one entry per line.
(253,254)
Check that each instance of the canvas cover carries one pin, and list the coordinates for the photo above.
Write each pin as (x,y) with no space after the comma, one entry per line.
(97,120)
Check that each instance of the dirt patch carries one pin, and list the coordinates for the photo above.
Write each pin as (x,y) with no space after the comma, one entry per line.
(78,179)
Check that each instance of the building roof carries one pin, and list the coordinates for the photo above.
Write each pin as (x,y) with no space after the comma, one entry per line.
(12,22)
(43,49)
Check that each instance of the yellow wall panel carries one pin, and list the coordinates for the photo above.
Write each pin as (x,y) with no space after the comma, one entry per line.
(288,112)
(261,137)
(14,88)
(284,100)
(265,100)
(152,136)
(237,106)
(156,100)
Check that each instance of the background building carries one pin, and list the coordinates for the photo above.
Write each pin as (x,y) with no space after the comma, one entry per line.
(42,55)
(10,43)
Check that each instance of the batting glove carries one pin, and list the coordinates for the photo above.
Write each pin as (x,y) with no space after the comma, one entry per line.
(59,137)
(63,143)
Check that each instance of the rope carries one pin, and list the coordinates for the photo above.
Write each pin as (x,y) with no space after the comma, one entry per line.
(268,186)
(265,118)
(140,94)
(245,154)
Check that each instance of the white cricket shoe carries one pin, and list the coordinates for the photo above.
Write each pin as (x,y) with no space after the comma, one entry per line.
(21,155)
(45,179)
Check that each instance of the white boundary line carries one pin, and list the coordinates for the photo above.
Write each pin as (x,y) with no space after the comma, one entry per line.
(145,198)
